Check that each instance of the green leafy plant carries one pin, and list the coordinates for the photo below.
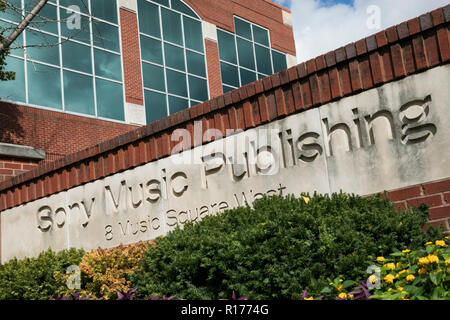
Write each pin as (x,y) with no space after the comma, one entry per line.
(34,278)
(278,248)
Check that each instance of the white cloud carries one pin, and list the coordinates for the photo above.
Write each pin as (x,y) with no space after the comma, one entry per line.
(319,29)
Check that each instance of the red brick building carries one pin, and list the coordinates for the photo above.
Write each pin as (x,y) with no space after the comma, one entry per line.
(128,63)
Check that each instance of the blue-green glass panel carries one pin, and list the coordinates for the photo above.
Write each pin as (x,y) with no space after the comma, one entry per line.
(153,77)
(180,6)
(229,74)
(174,57)
(176,83)
(196,63)
(14,90)
(260,35)
(227,89)
(42,47)
(261,76)
(151,50)
(263,61)
(193,103)
(77,56)
(44,85)
(193,35)
(198,88)
(171,22)
(149,18)
(11,13)
(47,19)
(82,5)
(163,2)
(247,76)
(107,65)
(105,10)
(243,28)
(246,54)
(77,29)
(78,93)
(109,99)
(105,36)
(227,46)
(5,29)
(155,106)
(177,104)
(279,61)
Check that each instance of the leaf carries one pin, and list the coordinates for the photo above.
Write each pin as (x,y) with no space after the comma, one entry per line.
(433,278)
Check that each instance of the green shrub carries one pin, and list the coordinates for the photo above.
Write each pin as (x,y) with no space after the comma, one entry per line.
(279,248)
(33,278)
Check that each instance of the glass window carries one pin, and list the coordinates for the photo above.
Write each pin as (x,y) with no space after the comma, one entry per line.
(5,29)
(109,99)
(81,4)
(227,46)
(246,55)
(70,29)
(193,34)
(107,65)
(263,60)
(176,83)
(227,89)
(151,50)
(177,104)
(77,56)
(104,9)
(279,61)
(163,2)
(78,93)
(43,47)
(11,14)
(153,77)
(155,106)
(14,90)
(247,76)
(171,23)
(260,35)
(198,88)
(243,28)
(261,76)
(181,7)
(105,36)
(47,19)
(230,74)
(149,18)
(44,85)
(174,57)
(195,63)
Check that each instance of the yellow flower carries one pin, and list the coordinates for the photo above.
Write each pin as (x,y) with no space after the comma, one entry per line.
(428,243)
(390,266)
(306,199)
(424,260)
(373,278)
(433,258)
(406,251)
(389,278)
(310,298)
(342,295)
(350,296)
(403,271)
(339,288)
(447,261)
(380,259)
(400,288)
(422,271)
(410,277)
(440,243)
(399,264)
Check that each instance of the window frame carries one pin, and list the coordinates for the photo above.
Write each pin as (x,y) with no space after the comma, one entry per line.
(61,40)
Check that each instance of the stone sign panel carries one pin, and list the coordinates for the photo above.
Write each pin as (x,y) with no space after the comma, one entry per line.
(389,137)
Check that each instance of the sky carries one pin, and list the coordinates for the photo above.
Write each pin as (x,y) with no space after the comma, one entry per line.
(324,25)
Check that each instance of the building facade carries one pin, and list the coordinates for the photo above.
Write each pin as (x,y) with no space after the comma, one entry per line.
(92,70)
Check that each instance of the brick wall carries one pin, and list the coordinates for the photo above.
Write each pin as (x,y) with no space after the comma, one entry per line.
(12,167)
(213,66)
(435,195)
(57,133)
(390,55)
